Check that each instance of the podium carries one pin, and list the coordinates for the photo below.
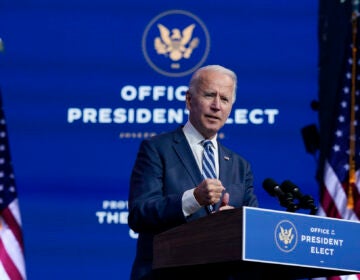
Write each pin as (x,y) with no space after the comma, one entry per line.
(275,244)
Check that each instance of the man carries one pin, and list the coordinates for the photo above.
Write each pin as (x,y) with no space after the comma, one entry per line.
(167,187)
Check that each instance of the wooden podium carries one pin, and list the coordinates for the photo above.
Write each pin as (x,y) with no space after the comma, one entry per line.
(214,243)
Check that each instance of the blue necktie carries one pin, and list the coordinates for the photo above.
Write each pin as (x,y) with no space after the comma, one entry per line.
(208,164)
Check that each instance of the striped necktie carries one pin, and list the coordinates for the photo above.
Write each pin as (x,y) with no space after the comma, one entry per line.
(208,165)
(208,162)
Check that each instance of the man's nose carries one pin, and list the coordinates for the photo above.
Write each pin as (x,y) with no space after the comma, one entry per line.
(216,104)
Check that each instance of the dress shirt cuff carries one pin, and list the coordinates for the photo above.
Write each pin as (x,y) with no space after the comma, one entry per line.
(189,203)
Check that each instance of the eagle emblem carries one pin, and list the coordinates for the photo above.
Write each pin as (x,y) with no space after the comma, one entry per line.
(176,44)
(285,235)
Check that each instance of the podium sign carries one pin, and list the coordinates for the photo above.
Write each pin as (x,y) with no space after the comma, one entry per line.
(303,240)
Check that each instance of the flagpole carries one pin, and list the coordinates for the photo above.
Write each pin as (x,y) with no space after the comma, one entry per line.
(352,138)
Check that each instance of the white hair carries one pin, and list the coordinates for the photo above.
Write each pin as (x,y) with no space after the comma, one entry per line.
(196,77)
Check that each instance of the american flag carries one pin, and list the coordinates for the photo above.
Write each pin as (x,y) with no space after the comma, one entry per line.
(341,185)
(12,264)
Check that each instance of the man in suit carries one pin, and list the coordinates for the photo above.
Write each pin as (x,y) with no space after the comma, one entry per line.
(167,188)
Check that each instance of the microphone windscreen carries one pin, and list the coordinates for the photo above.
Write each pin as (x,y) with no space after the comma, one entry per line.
(288,186)
(269,186)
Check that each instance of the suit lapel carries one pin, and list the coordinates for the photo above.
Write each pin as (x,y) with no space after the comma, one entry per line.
(183,150)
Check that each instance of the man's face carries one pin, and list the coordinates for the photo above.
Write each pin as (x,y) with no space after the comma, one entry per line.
(211,105)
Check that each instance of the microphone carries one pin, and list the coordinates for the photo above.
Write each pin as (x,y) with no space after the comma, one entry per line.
(305,201)
(285,199)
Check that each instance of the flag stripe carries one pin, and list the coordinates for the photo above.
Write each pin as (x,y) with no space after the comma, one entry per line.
(14,208)
(334,200)
(12,247)
(3,274)
(328,205)
(9,265)
(13,225)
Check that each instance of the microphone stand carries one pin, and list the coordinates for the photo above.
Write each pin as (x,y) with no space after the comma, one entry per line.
(287,201)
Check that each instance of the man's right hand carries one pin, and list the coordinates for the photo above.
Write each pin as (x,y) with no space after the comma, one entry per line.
(208,192)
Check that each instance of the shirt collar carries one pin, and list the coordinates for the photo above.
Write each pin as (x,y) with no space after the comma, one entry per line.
(194,136)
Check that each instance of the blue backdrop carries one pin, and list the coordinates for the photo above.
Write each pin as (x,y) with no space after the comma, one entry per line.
(83,84)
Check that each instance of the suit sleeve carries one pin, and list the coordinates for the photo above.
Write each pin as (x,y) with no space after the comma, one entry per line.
(250,198)
(151,208)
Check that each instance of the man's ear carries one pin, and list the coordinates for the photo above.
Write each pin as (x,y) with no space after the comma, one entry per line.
(188,99)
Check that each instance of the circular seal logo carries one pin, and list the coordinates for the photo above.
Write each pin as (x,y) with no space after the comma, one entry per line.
(175,43)
(286,236)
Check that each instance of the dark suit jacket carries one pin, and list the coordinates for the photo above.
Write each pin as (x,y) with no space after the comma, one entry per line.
(164,169)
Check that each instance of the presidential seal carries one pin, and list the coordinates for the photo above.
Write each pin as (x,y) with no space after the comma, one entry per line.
(286,236)
(175,43)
